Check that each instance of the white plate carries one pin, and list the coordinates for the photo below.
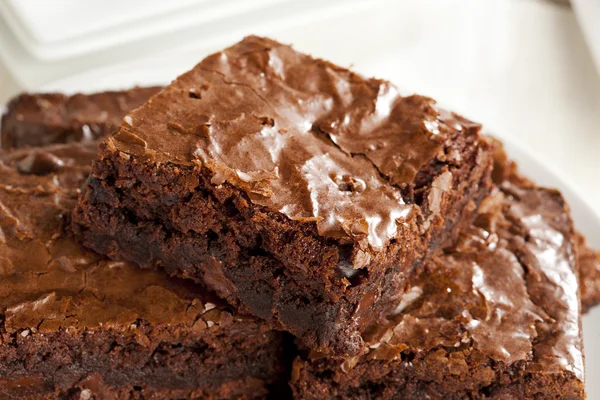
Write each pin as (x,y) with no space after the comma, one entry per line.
(52,31)
(585,216)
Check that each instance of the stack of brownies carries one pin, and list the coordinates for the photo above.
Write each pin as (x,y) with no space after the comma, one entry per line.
(271,225)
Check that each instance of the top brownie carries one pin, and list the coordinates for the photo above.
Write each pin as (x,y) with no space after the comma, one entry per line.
(37,119)
(297,189)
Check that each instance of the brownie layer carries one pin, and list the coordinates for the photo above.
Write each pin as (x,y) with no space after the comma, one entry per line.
(94,388)
(37,119)
(73,321)
(496,316)
(296,189)
(138,362)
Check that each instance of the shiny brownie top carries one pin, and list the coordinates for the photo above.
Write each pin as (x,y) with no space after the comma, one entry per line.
(300,136)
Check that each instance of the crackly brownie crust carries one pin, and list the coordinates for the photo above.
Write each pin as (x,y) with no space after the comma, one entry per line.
(588,259)
(497,316)
(37,119)
(74,323)
(299,191)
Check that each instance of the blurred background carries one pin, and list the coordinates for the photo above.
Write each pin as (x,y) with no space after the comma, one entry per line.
(524,68)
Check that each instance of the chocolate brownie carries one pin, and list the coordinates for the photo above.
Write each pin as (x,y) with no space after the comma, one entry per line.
(588,260)
(74,324)
(45,118)
(301,192)
(496,316)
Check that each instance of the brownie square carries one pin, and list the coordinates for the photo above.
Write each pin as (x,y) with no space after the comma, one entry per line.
(37,119)
(76,325)
(299,191)
(497,316)
(588,259)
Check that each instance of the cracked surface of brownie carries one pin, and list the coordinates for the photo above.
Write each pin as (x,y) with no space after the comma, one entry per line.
(74,324)
(38,119)
(496,316)
(588,259)
(299,191)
